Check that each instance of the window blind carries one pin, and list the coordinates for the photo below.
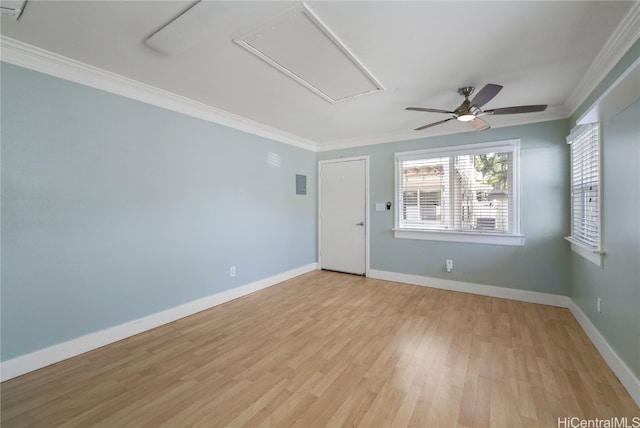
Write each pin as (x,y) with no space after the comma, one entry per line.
(460,192)
(423,187)
(585,186)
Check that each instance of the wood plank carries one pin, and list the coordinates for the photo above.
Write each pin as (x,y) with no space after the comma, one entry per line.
(328,349)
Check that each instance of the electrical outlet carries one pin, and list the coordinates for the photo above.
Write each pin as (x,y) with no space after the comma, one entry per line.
(599,304)
(232,271)
(449,265)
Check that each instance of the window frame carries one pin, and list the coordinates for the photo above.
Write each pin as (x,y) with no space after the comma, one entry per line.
(593,254)
(513,238)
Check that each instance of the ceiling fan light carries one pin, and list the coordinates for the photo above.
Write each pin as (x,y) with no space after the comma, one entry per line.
(466,117)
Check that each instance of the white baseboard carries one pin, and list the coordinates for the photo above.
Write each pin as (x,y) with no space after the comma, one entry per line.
(53,354)
(615,363)
(480,289)
(56,353)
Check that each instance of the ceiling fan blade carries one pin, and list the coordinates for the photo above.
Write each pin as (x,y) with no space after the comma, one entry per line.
(486,94)
(431,110)
(433,124)
(479,124)
(517,109)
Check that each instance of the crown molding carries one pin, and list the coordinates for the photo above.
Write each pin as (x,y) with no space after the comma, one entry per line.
(552,113)
(28,56)
(627,33)
(37,59)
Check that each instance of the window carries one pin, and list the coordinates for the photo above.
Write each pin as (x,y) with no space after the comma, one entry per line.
(462,193)
(421,205)
(586,192)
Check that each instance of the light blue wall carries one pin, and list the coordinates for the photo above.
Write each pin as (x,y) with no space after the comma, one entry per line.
(618,282)
(540,265)
(113,210)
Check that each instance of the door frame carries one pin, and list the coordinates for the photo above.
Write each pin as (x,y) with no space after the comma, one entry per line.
(366,204)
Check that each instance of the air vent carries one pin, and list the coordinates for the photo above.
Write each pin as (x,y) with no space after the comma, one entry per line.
(298,44)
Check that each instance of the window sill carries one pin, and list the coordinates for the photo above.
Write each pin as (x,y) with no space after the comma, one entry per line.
(594,256)
(467,237)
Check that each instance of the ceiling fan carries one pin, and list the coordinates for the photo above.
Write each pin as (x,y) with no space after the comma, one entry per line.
(469,111)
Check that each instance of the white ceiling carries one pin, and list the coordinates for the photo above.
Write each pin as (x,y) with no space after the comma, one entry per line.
(421,52)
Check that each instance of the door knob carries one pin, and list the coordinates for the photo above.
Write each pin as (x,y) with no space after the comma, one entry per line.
(360,224)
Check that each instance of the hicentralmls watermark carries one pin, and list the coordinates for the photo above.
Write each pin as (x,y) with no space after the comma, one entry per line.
(614,422)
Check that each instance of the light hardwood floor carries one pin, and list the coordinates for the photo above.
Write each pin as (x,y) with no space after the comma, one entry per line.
(330,350)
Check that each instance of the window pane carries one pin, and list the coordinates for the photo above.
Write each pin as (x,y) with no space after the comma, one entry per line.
(410,204)
(422,183)
(585,187)
(430,205)
(462,192)
(482,192)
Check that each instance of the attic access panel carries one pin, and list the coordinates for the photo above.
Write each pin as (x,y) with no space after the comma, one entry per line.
(12,8)
(298,44)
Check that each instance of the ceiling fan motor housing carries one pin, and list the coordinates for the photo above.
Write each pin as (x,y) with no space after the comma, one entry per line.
(466,91)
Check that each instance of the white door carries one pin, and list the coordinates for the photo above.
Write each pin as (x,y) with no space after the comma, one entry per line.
(343,215)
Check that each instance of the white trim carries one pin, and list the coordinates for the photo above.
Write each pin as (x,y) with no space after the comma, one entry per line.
(551,113)
(34,58)
(31,57)
(367,218)
(515,240)
(56,353)
(615,363)
(509,145)
(305,10)
(367,221)
(24,55)
(593,114)
(473,288)
(53,354)
(37,59)
(595,256)
(625,35)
